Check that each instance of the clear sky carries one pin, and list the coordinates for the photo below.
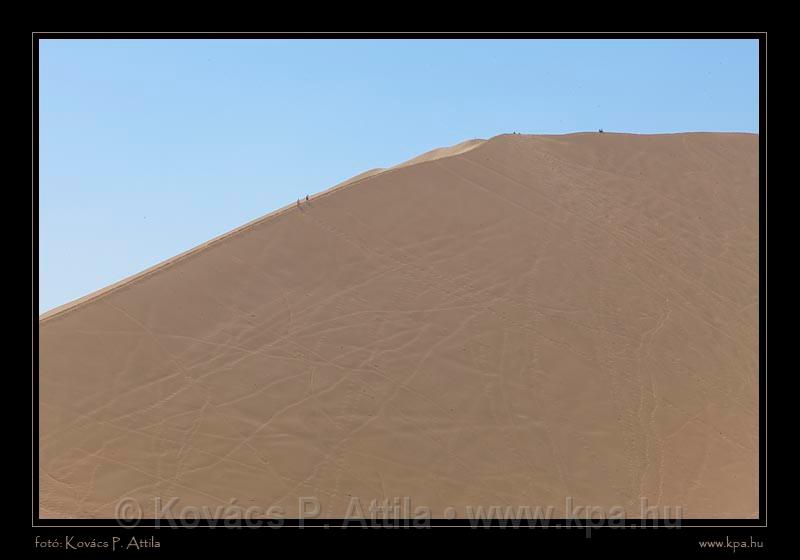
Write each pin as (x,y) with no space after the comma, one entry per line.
(150,147)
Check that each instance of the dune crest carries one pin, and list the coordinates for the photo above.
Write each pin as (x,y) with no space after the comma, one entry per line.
(439,153)
(431,155)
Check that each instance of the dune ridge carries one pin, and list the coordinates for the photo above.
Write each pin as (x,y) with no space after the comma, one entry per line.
(431,155)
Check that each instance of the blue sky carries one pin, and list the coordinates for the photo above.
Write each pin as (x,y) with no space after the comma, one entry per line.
(150,147)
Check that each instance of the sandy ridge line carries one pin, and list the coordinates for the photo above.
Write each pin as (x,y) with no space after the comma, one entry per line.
(448,151)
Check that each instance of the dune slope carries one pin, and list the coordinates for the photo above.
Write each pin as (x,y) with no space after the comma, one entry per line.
(512,322)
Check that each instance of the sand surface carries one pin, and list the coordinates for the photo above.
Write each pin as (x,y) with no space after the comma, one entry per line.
(516,322)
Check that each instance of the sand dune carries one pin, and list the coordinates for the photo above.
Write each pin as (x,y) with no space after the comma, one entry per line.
(510,322)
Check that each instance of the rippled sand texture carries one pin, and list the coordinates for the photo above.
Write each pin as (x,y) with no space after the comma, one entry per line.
(514,322)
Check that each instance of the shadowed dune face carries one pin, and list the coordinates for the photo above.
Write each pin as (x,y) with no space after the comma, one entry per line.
(532,320)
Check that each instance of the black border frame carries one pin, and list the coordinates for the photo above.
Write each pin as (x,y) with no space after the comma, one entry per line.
(80,524)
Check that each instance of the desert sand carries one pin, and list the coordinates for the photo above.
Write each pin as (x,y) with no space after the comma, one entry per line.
(513,322)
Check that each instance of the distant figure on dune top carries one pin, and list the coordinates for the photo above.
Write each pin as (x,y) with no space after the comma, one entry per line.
(600,131)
